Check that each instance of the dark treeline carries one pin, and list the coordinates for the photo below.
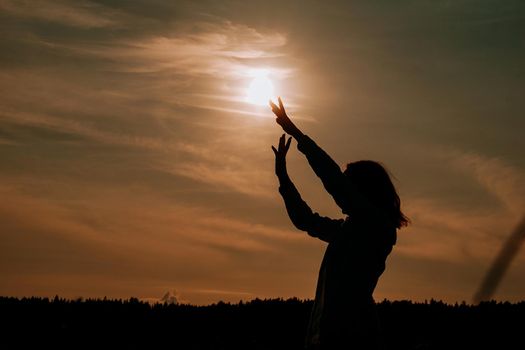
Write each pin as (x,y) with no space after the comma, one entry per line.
(258,324)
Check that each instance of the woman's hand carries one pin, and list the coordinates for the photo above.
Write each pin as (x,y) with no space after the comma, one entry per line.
(283,120)
(280,156)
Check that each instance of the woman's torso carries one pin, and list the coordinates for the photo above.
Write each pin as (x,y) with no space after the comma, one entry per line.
(344,307)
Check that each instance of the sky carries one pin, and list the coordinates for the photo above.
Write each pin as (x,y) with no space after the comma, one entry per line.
(131,163)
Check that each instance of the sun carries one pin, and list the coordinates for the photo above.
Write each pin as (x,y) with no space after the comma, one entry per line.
(260,90)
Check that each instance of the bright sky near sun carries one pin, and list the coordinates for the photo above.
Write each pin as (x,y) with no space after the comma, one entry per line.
(261,88)
(135,142)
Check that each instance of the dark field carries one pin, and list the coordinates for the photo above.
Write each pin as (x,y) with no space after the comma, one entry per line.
(259,324)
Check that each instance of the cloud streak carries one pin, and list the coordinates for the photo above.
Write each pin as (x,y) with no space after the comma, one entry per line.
(82,14)
(152,239)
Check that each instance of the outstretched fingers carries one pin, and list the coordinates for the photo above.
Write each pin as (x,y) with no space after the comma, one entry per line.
(278,110)
(288,143)
(282,146)
(281,105)
(275,108)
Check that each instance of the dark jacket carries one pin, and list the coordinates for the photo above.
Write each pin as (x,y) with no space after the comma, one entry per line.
(344,310)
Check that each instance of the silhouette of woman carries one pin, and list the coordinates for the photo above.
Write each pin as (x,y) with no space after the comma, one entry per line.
(343,315)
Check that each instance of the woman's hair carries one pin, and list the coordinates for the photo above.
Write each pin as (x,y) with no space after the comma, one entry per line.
(374,183)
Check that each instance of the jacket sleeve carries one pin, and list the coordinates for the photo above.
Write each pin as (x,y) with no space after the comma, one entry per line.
(302,216)
(330,173)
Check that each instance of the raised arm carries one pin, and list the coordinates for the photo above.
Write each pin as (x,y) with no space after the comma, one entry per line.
(299,212)
(323,165)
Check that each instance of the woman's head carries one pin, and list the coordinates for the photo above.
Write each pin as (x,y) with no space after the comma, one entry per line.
(374,183)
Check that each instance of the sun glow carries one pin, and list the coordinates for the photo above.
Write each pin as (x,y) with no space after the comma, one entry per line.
(260,90)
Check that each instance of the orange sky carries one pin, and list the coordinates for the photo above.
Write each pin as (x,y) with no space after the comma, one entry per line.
(131,163)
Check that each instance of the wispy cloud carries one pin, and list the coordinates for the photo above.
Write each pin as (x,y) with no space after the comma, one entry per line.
(153,239)
(500,179)
(83,14)
(195,61)
(445,232)
(213,164)
(163,79)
